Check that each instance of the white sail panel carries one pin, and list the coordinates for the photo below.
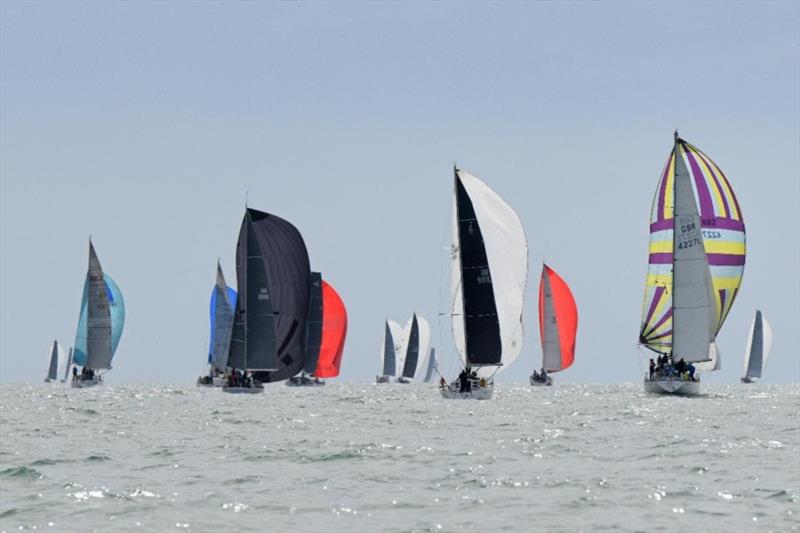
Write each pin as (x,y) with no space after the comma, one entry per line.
(424,343)
(714,360)
(767,333)
(507,253)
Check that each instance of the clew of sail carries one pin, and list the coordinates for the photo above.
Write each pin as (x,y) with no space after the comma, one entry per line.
(489,271)
(558,321)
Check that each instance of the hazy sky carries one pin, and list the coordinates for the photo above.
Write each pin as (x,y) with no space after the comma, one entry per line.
(143,124)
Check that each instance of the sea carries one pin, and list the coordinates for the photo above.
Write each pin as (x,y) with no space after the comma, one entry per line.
(398,458)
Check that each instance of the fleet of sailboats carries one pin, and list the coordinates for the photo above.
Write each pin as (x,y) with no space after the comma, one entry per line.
(697,256)
(284,322)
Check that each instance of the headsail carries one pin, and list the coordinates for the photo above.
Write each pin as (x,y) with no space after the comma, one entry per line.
(223,303)
(558,321)
(274,284)
(314,324)
(488,276)
(723,237)
(102,318)
(334,333)
(759,344)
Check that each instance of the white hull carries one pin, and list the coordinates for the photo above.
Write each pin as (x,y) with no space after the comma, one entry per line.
(451,392)
(85,383)
(547,383)
(244,390)
(672,386)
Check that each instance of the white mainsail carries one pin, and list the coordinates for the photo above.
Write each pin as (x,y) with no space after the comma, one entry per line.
(506,252)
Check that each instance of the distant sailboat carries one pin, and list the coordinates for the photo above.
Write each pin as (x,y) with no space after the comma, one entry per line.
(57,362)
(558,325)
(223,303)
(274,286)
(489,270)
(415,343)
(102,319)
(390,347)
(697,257)
(759,345)
(325,335)
(430,365)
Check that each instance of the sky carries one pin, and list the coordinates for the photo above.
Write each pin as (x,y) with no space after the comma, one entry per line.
(146,125)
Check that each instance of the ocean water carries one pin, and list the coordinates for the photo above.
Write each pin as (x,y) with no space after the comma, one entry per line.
(351,457)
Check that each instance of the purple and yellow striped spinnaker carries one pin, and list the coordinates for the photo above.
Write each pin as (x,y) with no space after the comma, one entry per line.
(723,240)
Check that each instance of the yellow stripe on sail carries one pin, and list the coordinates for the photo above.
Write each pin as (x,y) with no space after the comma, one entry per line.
(668,192)
(726,189)
(711,184)
(721,283)
(719,247)
(660,247)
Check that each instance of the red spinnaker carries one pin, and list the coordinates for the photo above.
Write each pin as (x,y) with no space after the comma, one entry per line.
(566,313)
(334,331)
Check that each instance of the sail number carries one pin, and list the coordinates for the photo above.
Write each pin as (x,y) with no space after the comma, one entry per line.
(689,243)
(484,277)
(712,234)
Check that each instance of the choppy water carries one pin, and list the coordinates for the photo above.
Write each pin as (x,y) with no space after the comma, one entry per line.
(398,458)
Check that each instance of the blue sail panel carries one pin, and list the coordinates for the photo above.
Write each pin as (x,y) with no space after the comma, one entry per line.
(117,308)
(232,299)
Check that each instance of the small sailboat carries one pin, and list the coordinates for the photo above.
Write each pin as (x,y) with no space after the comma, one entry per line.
(102,319)
(223,303)
(759,345)
(325,336)
(416,340)
(57,361)
(273,281)
(430,365)
(558,325)
(489,270)
(390,347)
(697,256)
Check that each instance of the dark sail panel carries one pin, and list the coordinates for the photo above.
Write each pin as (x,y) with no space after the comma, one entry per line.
(260,348)
(412,350)
(98,335)
(756,348)
(314,324)
(52,372)
(288,276)
(481,325)
(389,363)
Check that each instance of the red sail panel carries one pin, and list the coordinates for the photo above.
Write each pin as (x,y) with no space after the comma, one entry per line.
(334,331)
(566,315)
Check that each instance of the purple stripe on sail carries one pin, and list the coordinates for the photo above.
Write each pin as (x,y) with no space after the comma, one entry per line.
(706,205)
(657,325)
(710,165)
(662,190)
(713,222)
(665,334)
(656,298)
(725,259)
(661,258)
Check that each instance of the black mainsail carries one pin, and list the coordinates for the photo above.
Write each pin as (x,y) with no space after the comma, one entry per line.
(314,324)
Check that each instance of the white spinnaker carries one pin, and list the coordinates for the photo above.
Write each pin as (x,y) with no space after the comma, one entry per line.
(424,347)
(62,360)
(507,254)
(398,336)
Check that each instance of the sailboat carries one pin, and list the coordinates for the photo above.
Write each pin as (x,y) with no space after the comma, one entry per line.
(759,344)
(390,346)
(273,281)
(697,256)
(430,365)
(100,325)
(223,303)
(416,340)
(57,361)
(489,270)
(325,335)
(558,325)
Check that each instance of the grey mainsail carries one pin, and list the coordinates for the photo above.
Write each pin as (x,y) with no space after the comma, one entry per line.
(693,310)
(551,344)
(412,350)
(223,322)
(52,371)
(755,361)
(98,336)
(314,324)
(389,362)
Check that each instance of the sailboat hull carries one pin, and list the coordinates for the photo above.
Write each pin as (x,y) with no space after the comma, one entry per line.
(382,379)
(452,392)
(672,386)
(546,383)
(85,383)
(301,381)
